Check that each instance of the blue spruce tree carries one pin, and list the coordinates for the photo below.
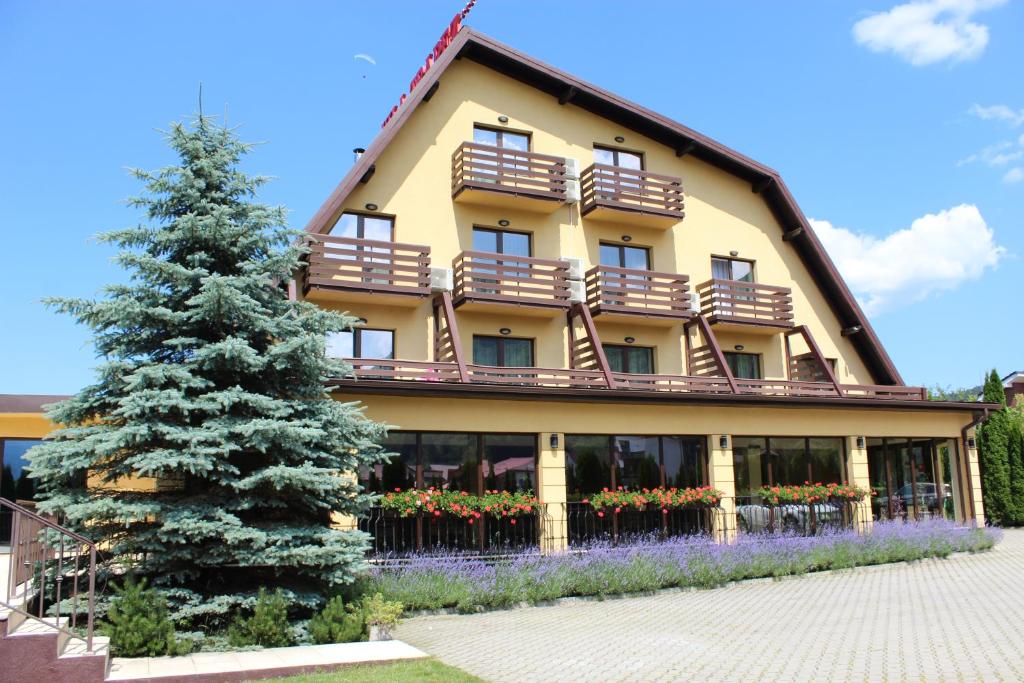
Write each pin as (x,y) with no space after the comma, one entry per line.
(212,387)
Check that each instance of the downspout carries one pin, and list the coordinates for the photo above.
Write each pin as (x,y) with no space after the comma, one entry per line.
(967,464)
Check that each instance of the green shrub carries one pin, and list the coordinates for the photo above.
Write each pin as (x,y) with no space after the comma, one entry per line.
(337,623)
(380,612)
(137,623)
(268,625)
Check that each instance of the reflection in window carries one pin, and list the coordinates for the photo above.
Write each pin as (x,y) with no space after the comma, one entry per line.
(594,462)
(15,484)
(744,365)
(760,461)
(361,342)
(456,462)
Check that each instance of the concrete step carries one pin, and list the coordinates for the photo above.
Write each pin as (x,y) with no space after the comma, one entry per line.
(35,650)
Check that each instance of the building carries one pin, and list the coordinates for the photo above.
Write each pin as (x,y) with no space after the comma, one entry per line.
(1013,385)
(563,291)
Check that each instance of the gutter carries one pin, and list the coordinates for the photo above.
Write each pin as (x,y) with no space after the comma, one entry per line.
(978,419)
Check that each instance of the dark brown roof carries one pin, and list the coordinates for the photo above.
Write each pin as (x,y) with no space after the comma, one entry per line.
(470,44)
(26,403)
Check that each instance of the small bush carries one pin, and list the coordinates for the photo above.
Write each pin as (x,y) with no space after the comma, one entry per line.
(268,625)
(138,625)
(337,623)
(380,612)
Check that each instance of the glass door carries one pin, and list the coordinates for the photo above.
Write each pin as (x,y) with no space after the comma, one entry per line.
(495,241)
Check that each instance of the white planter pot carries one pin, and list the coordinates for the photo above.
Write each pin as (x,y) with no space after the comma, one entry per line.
(380,632)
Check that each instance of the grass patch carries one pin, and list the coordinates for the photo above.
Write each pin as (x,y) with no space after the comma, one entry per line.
(415,671)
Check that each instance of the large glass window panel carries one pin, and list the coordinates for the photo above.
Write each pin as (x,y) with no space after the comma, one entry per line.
(341,344)
(14,480)
(510,462)
(376,228)
(631,359)
(376,343)
(637,461)
(624,256)
(504,352)
(516,141)
(485,136)
(732,269)
(449,461)
(360,226)
(347,226)
(618,157)
(485,350)
(683,461)
(878,477)
(749,462)
(485,240)
(398,471)
(587,465)
(827,460)
(515,243)
(788,461)
(744,365)
(518,353)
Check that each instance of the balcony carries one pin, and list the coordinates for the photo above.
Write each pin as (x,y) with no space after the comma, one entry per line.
(491,282)
(358,270)
(640,198)
(751,306)
(507,178)
(435,375)
(638,295)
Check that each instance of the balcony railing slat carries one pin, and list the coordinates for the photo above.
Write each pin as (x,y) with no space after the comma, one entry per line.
(631,190)
(746,302)
(483,167)
(367,265)
(630,290)
(503,278)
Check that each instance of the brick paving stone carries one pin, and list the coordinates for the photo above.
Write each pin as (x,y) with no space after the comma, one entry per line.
(958,619)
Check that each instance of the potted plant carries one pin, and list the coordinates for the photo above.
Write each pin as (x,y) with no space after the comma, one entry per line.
(381,616)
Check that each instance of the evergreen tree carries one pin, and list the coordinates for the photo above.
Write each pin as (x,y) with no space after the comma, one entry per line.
(994,454)
(211,384)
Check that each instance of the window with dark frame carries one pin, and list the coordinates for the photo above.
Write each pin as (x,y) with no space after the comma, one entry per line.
(456,461)
(502,352)
(739,270)
(364,227)
(496,241)
(779,461)
(362,342)
(744,365)
(625,256)
(630,359)
(594,462)
(611,156)
(499,137)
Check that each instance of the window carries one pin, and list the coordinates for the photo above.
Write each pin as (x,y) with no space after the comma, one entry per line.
(595,462)
(618,157)
(503,352)
(455,461)
(910,479)
(501,242)
(732,269)
(759,461)
(362,342)
(501,138)
(634,359)
(15,483)
(364,227)
(625,256)
(744,365)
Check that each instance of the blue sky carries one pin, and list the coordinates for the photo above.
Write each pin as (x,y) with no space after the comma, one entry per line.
(913,121)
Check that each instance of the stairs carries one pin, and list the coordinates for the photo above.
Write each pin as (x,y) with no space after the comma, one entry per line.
(33,650)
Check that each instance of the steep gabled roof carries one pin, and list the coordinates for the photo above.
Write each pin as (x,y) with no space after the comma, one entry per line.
(470,44)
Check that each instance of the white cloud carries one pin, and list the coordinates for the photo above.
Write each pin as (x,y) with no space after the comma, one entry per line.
(937,252)
(927,31)
(999,154)
(998,112)
(1014,175)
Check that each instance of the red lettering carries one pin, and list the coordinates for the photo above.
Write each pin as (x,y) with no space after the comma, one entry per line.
(443,44)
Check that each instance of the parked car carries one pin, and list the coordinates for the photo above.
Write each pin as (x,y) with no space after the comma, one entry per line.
(753,518)
(927,498)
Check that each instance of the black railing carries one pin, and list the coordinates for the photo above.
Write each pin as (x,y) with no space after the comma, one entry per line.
(754,516)
(585,525)
(393,534)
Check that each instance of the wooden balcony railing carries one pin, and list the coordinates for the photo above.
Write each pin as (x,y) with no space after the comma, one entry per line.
(497,169)
(368,265)
(573,378)
(627,189)
(611,289)
(746,303)
(485,277)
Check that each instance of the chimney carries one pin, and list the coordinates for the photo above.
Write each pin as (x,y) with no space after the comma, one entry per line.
(358,151)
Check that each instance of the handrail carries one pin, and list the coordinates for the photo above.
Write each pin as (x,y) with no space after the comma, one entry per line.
(505,278)
(632,290)
(746,302)
(36,558)
(351,263)
(517,172)
(631,189)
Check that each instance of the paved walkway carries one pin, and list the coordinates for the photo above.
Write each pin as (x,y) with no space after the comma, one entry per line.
(960,619)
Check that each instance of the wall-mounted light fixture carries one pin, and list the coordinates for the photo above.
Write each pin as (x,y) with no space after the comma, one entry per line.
(860,442)
(371,207)
(619,138)
(554,442)
(738,347)
(627,238)
(723,441)
(734,253)
(629,340)
(505,331)
(502,119)
(504,222)
(971,443)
